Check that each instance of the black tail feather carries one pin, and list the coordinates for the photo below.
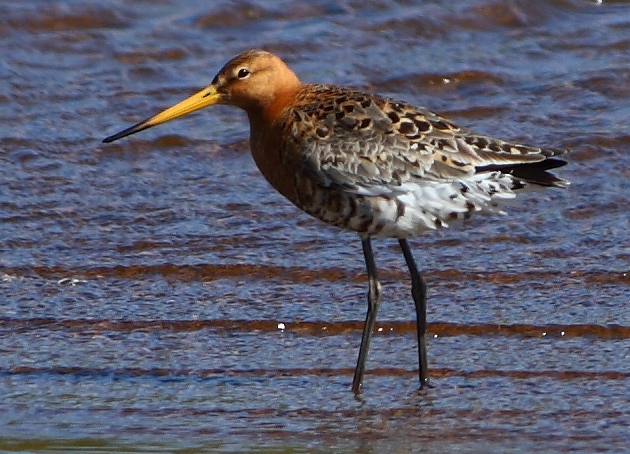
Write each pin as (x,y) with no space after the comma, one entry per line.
(534,172)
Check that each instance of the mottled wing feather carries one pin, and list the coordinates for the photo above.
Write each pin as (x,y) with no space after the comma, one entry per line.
(370,144)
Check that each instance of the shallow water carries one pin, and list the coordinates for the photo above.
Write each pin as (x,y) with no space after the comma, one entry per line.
(145,283)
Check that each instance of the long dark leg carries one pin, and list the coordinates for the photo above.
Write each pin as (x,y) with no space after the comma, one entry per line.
(419,293)
(374,301)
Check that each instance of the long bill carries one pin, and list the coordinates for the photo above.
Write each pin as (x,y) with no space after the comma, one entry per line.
(206,97)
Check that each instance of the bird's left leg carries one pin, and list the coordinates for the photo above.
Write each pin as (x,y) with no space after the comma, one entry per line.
(374,301)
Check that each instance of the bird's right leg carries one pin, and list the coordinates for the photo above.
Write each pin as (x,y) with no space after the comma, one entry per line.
(419,293)
(374,301)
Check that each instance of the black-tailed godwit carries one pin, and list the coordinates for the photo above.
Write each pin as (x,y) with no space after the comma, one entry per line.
(380,167)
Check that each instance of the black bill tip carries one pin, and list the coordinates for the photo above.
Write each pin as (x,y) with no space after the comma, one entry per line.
(127,132)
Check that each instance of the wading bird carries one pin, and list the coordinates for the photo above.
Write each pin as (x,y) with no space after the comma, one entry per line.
(379,167)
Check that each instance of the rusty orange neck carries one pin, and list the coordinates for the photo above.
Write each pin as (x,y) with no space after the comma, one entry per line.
(275,157)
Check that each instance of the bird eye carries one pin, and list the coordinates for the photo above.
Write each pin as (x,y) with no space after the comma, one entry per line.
(243,73)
